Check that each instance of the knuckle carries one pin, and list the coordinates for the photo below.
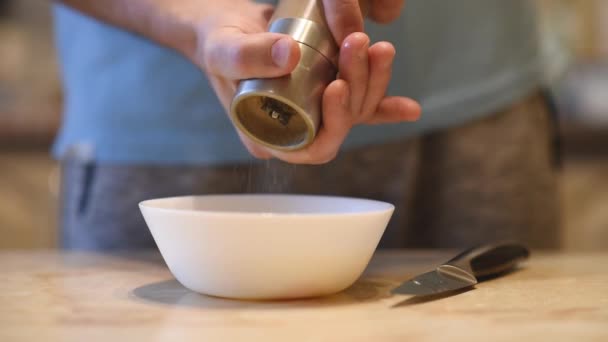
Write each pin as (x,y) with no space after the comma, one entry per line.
(209,56)
(327,157)
(257,153)
(347,6)
(237,57)
(307,157)
(227,58)
(367,117)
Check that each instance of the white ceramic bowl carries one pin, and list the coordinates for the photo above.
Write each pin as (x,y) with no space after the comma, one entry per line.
(266,246)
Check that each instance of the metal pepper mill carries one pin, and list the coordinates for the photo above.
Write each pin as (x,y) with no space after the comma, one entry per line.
(284,113)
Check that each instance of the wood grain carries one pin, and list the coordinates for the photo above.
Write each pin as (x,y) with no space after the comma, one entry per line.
(54,296)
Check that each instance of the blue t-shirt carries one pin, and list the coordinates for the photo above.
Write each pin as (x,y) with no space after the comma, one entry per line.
(128,100)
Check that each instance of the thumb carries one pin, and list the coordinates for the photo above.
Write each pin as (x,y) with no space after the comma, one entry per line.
(236,55)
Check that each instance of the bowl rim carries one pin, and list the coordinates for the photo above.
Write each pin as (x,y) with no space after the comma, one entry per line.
(383,206)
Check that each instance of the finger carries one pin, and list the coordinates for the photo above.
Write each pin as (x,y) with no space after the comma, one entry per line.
(224,89)
(381,57)
(385,11)
(336,125)
(344,17)
(396,109)
(267,12)
(254,149)
(236,55)
(354,69)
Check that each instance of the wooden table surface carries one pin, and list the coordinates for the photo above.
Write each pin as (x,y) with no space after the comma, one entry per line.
(52,296)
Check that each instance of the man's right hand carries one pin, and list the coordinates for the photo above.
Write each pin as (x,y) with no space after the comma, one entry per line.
(234,45)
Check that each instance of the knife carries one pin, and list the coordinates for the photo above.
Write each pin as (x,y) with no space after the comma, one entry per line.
(466,269)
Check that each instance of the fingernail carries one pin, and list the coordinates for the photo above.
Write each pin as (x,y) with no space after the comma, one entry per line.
(281,51)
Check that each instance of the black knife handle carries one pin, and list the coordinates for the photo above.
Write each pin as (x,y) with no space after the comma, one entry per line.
(492,259)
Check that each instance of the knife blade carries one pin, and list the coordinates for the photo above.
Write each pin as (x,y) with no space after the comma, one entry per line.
(466,269)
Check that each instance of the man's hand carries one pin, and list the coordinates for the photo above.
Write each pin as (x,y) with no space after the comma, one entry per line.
(234,46)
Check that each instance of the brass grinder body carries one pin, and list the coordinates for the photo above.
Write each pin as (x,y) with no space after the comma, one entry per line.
(284,113)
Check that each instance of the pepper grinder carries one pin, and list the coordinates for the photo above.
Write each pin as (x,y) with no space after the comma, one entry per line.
(284,113)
